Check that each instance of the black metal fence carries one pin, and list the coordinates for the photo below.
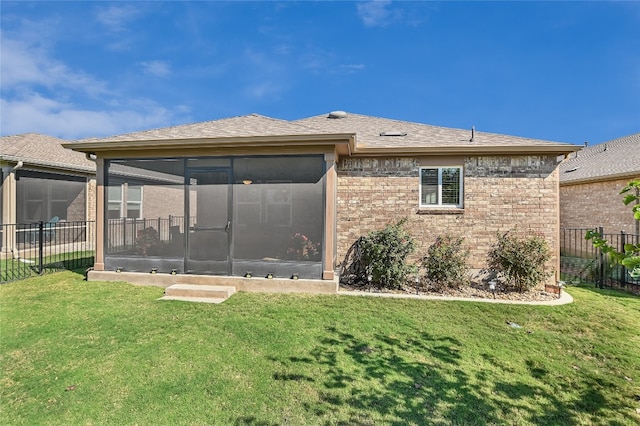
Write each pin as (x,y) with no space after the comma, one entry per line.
(35,248)
(580,261)
(124,234)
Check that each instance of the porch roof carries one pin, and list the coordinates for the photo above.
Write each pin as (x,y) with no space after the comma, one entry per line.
(351,134)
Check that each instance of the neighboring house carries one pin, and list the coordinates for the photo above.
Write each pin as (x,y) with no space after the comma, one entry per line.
(590,184)
(258,195)
(42,181)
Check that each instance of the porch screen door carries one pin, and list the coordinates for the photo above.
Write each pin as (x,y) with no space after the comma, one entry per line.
(209,237)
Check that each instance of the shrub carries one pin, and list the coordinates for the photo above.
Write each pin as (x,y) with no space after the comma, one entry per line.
(384,254)
(521,262)
(446,263)
(147,242)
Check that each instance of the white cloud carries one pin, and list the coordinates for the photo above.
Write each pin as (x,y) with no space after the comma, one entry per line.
(35,113)
(28,64)
(377,13)
(156,68)
(42,94)
(115,18)
(351,68)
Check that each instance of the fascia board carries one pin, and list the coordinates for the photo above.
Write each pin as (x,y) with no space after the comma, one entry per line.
(596,179)
(227,142)
(52,165)
(466,150)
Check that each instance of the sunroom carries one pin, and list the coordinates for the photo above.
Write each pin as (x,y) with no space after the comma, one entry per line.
(247,206)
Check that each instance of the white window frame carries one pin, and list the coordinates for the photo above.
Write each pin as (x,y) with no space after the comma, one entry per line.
(124,200)
(440,204)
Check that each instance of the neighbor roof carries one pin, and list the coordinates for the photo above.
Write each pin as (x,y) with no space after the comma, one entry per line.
(366,135)
(614,159)
(40,150)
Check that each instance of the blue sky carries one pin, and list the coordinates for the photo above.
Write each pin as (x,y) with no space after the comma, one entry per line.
(562,71)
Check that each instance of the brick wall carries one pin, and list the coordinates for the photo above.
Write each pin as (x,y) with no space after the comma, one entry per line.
(500,193)
(91,199)
(594,204)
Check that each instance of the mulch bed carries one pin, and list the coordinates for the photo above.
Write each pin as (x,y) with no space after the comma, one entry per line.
(473,291)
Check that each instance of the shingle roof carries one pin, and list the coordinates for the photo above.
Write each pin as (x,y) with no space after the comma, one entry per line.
(240,126)
(42,150)
(618,157)
(369,129)
(366,131)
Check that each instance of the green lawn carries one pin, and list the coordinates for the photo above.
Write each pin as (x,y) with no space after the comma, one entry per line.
(15,269)
(264,359)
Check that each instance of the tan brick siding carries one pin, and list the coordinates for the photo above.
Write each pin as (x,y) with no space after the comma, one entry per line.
(91,199)
(162,201)
(500,194)
(594,204)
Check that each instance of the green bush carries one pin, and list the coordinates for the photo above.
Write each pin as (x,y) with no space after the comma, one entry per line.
(384,254)
(446,263)
(521,262)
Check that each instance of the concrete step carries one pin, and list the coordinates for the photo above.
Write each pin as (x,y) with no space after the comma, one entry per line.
(194,299)
(198,293)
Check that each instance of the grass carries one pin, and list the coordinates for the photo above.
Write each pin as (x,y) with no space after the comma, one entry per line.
(16,269)
(76,352)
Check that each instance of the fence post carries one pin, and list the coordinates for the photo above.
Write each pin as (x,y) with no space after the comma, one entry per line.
(40,245)
(621,250)
(601,272)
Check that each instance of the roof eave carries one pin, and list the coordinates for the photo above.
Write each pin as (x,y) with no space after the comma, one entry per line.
(48,164)
(605,178)
(221,142)
(466,150)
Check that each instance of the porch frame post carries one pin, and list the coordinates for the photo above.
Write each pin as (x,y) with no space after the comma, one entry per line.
(100,218)
(331,191)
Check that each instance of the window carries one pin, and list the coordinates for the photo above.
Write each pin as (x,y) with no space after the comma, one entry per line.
(124,201)
(441,186)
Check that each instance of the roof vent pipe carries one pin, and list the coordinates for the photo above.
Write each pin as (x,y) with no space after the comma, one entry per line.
(473,134)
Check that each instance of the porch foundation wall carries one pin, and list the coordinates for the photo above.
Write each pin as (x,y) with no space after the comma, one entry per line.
(255,284)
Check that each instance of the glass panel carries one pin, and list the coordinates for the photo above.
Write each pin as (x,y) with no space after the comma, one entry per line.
(133,210)
(113,211)
(134,193)
(114,193)
(451,186)
(429,182)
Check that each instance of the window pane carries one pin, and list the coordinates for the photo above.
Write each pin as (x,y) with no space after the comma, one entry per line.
(451,186)
(134,193)
(113,211)
(429,181)
(133,210)
(114,193)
